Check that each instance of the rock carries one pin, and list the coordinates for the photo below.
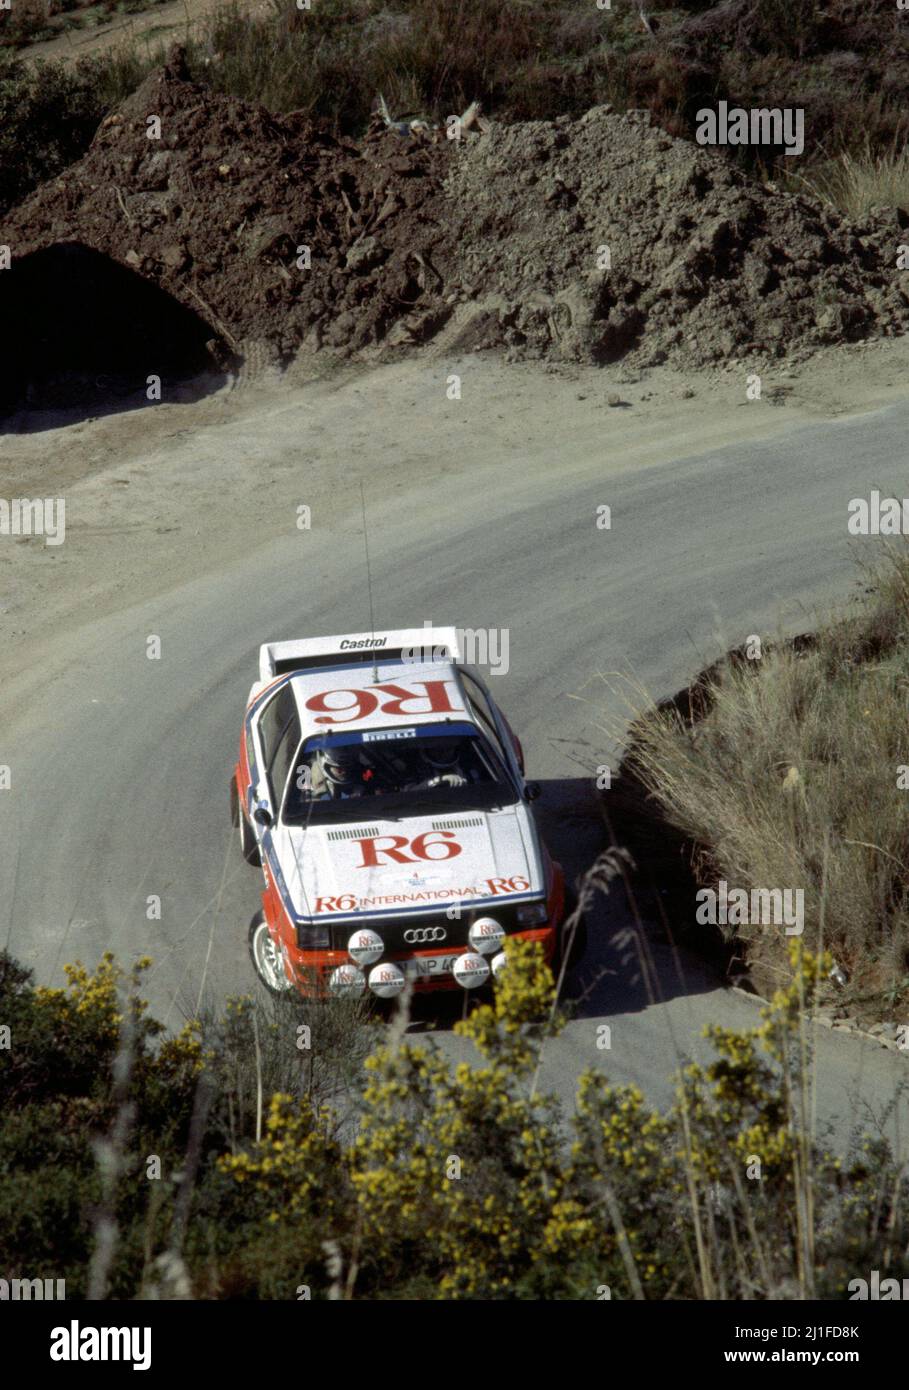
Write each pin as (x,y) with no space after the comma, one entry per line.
(174,257)
(364,254)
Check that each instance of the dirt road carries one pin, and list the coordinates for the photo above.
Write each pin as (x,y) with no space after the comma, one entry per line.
(154,27)
(728,517)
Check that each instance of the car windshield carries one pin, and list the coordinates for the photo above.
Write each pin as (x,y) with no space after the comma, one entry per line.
(448,766)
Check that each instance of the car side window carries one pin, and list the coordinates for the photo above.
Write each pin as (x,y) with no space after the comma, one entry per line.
(478,696)
(288,744)
(482,710)
(273,721)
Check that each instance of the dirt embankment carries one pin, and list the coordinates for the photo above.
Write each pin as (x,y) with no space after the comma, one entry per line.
(215,210)
(582,240)
(703,264)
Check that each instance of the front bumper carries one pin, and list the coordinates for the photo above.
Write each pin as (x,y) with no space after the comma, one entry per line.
(313,969)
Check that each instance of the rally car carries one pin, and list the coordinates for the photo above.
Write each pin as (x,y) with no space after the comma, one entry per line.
(382,791)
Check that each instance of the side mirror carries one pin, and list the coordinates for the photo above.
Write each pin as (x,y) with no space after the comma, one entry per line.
(532,790)
(262,816)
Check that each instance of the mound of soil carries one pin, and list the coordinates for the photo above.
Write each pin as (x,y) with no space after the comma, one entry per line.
(606,237)
(218,210)
(588,240)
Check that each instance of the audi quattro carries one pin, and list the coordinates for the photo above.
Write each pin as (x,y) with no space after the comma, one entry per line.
(383,793)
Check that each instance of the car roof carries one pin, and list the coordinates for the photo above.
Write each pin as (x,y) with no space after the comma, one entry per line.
(417,693)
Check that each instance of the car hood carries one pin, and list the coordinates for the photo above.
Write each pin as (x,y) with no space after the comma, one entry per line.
(387,867)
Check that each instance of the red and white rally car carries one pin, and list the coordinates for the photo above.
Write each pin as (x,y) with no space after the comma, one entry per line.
(383,793)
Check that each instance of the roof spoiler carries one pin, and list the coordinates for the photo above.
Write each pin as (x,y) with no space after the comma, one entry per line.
(422,644)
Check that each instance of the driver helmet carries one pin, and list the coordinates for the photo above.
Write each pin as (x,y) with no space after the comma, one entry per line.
(442,753)
(340,766)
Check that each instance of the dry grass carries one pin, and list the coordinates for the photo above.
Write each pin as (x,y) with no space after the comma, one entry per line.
(791,780)
(331,61)
(856,183)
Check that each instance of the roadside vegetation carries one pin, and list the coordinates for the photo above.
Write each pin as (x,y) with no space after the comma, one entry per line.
(847,64)
(220,1163)
(793,771)
(49,115)
(855,182)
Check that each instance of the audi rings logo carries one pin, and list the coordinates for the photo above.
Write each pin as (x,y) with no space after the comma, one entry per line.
(420,935)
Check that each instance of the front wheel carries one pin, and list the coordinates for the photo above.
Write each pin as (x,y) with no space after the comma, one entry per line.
(266,957)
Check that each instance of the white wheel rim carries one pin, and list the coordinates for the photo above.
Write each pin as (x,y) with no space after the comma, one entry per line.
(269,961)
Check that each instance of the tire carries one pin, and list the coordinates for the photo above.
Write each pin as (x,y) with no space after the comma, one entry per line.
(266,958)
(577,948)
(248,845)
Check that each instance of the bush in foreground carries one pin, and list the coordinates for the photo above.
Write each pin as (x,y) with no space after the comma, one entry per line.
(451,1181)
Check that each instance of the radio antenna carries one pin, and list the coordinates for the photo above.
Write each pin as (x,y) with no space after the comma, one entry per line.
(372,616)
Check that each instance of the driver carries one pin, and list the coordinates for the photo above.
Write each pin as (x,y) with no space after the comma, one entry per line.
(339,773)
(441,758)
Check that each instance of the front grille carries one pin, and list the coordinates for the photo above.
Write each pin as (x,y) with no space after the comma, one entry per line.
(392,930)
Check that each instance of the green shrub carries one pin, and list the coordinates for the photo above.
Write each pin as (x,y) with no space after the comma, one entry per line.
(420,1179)
(49,115)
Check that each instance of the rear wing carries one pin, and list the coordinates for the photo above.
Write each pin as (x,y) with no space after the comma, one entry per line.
(418,644)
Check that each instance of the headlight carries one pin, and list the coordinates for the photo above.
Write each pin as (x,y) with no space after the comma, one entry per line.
(387,980)
(486,935)
(365,946)
(530,913)
(347,982)
(310,938)
(471,970)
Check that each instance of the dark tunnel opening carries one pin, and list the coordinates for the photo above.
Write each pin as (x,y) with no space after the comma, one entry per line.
(82,335)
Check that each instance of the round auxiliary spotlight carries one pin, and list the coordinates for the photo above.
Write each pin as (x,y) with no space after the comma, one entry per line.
(346,982)
(498,964)
(471,970)
(486,935)
(386,980)
(365,946)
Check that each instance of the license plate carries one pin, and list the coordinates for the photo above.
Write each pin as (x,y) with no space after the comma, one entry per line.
(418,967)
